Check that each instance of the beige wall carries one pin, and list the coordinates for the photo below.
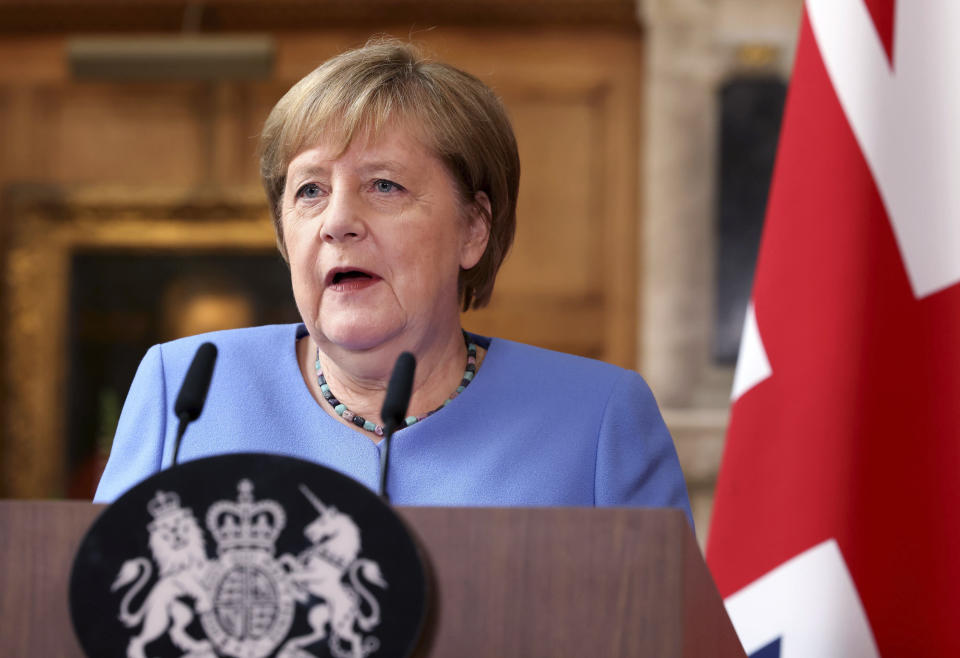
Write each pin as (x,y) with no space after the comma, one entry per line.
(693,47)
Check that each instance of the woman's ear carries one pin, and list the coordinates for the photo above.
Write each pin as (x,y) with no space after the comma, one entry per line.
(477,231)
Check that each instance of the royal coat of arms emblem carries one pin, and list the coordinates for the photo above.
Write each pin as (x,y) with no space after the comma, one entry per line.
(246,598)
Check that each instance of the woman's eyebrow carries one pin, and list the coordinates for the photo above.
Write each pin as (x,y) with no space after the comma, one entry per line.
(307,169)
(392,166)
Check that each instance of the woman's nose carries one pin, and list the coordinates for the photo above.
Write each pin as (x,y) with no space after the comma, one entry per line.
(343,219)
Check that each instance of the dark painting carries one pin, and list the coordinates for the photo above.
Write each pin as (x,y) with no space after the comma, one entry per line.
(124,301)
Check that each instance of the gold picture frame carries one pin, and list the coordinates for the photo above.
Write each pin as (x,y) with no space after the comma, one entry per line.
(45,225)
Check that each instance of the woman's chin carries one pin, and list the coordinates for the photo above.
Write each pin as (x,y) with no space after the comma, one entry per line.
(358,337)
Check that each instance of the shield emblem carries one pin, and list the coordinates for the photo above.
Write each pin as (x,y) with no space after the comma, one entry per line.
(248,556)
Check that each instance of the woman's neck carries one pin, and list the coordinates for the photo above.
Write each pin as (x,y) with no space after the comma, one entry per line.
(360,380)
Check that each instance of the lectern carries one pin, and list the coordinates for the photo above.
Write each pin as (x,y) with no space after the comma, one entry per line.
(523,582)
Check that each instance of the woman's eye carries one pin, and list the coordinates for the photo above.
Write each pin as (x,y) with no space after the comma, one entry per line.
(385,186)
(309,191)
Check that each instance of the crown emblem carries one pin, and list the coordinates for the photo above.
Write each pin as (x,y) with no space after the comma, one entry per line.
(165,508)
(245,524)
(163,504)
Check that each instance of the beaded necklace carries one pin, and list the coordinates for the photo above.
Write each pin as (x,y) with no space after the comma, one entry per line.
(341,409)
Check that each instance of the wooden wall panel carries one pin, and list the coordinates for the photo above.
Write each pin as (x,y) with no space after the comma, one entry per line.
(573,101)
(127,134)
(6,128)
(23,155)
(32,59)
(561,202)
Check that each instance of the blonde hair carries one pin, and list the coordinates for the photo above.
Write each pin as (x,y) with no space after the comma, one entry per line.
(459,118)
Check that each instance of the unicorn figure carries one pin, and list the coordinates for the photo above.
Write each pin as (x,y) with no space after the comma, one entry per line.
(319,571)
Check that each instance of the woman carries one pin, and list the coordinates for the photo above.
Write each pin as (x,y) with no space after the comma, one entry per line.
(393,184)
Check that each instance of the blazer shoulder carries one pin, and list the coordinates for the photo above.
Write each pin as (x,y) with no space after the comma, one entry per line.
(559,364)
(248,342)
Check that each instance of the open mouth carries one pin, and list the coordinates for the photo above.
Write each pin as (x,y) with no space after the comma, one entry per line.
(345,278)
(339,277)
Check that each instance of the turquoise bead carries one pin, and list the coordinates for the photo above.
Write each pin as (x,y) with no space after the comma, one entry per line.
(410,420)
(325,387)
(340,408)
(369,426)
(468,375)
(460,389)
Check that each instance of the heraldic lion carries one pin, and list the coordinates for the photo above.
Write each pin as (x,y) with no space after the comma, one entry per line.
(176,542)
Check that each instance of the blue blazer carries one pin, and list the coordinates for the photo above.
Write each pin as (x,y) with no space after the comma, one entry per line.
(534,427)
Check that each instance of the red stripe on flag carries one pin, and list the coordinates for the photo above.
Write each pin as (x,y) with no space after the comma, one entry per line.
(882,11)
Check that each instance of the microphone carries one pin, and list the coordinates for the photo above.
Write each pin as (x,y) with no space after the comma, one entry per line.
(394,409)
(193,392)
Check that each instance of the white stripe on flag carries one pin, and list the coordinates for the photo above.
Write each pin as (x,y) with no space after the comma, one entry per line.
(752,363)
(810,602)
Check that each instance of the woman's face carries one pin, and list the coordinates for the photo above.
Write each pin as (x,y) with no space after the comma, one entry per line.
(375,239)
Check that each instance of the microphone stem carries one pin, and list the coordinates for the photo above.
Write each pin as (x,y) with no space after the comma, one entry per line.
(181,428)
(384,461)
(395,404)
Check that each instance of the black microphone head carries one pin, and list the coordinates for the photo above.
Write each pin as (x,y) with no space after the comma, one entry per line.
(193,392)
(397,399)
